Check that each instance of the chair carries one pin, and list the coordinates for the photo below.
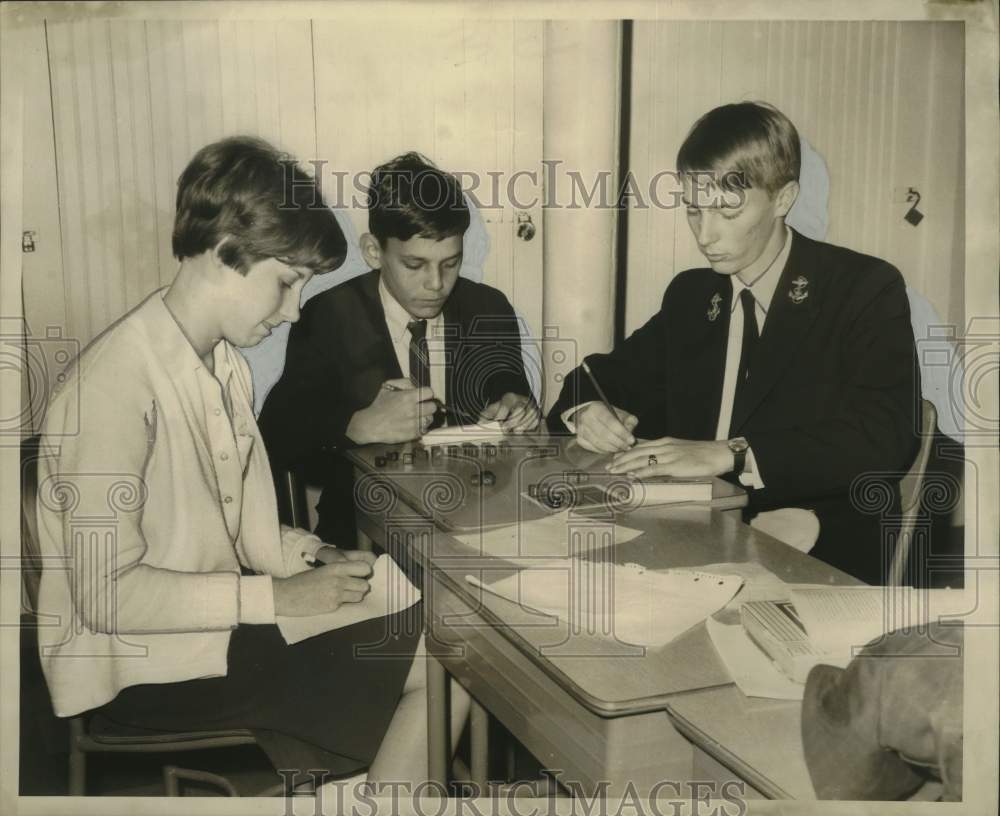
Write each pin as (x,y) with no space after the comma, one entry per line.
(910,492)
(92,733)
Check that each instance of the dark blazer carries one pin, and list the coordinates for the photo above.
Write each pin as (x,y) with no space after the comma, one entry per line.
(340,353)
(833,396)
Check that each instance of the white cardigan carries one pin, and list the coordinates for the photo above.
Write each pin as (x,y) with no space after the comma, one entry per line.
(149,503)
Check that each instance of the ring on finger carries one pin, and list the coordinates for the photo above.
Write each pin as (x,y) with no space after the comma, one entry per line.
(651,460)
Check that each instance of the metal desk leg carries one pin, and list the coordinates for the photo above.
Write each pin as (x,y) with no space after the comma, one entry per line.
(479,733)
(438,743)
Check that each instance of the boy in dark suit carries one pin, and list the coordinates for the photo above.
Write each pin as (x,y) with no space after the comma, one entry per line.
(406,347)
(788,364)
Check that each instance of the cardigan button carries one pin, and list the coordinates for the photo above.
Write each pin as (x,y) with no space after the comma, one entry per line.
(224,456)
(228,499)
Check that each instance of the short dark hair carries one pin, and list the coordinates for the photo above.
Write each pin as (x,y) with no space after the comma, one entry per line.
(261,202)
(410,196)
(745,145)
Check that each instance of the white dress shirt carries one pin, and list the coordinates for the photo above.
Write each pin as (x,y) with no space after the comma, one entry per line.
(762,289)
(397,320)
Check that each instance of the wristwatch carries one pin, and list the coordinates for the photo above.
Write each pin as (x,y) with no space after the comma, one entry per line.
(739,446)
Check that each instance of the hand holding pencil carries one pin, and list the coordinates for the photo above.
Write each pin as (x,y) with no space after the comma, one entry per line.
(600,427)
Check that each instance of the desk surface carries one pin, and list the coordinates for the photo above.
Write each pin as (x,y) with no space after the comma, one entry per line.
(609,678)
(444,486)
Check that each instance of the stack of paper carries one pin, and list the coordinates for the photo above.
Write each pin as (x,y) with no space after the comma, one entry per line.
(391,592)
(628,603)
(561,535)
(754,673)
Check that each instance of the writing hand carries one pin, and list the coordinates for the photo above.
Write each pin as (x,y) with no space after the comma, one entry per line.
(601,431)
(516,413)
(323,589)
(400,412)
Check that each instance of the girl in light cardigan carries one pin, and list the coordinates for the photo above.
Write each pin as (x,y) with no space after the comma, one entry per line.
(166,565)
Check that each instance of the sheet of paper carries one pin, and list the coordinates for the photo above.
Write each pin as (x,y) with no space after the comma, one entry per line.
(391,592)
(752,670)
(459,434)
(759,583)
(840,620)
(554,536)
(629,603)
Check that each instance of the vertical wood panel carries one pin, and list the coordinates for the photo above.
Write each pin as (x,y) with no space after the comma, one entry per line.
(880,102)
(132,102)
(465,93)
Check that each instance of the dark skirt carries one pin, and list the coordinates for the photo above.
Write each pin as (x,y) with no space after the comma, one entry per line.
(321,704)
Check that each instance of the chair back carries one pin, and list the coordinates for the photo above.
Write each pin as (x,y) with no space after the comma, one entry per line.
(910,491)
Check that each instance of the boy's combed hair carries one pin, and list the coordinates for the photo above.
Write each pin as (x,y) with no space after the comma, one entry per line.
(410,196)
(261,202)
(744,145)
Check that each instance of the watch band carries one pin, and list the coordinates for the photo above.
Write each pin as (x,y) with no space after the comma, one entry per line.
(739,448)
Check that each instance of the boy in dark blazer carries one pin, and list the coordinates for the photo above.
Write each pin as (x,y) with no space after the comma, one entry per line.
(392,353)
(788,364)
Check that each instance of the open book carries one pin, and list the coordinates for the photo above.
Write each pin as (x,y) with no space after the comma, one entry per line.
(823,624)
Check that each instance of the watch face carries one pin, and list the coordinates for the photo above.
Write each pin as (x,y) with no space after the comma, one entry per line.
(738,445)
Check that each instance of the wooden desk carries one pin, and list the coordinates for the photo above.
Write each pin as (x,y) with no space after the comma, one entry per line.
(590,706)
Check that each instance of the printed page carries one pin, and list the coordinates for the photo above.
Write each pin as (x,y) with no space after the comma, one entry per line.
(841,620)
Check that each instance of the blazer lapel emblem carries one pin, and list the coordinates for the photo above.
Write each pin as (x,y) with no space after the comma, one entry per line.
(715,310)
(798,292)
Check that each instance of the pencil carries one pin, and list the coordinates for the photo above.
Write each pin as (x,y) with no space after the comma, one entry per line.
(441,403)
(598,389)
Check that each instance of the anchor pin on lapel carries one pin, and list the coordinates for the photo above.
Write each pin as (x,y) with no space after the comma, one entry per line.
(715,311)
(798,291)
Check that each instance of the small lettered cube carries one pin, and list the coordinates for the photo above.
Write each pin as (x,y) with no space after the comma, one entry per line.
(380,461)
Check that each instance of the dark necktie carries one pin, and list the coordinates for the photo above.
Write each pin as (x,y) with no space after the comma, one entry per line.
(420,369)
(750,338)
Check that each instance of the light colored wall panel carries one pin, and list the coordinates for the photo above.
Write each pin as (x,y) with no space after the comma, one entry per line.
(132,102)
(465,93)
(880,101)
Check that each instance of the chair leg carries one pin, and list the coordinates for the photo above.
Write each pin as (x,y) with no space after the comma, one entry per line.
(77,759)
(172,775)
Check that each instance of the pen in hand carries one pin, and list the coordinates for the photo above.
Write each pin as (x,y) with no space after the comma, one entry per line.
(600,391)
(442,405)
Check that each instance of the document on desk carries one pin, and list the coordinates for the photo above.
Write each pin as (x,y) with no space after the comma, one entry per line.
(626,602)
(475,434)
(555,536)
(754,673)
(391,592)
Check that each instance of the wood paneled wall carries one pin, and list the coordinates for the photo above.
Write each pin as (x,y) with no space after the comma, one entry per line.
(881,102)
(132,101)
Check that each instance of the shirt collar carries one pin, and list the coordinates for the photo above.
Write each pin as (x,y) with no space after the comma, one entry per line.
(763,288)
(397,318)
(173,348)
